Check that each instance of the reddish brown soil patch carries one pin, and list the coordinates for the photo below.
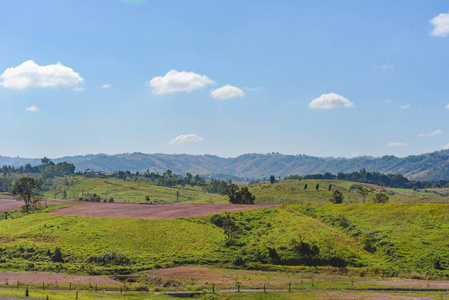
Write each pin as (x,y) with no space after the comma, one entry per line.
(145,211)
(59,278)
(10,204)
(415,283)
(225,277)
(374,296)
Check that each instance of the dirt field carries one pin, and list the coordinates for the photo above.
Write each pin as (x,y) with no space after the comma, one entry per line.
(132,210)
(148,211)
(48,278)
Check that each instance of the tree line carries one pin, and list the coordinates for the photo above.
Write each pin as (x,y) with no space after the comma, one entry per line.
(387,180)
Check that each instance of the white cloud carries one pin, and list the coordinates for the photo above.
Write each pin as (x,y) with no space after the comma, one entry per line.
(385,67)
(447,106)
(405,106)
(396,144)
(355,154)
(106,86)
(330,101)
(175,81)
(30,74)
(387,101)
(441,25)
(433,133)
(32,108)
(227,91)
(446,147)
(185,138)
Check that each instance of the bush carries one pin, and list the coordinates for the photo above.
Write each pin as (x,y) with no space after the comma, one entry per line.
(337,197)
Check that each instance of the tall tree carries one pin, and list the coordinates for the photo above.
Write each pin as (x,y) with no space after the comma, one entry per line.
(364,192)
(25,189)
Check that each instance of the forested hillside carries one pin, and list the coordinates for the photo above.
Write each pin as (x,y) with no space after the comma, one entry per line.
(430,166)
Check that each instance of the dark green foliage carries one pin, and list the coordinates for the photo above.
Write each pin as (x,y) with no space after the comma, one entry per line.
(272,179)
(25,188)
(57,256)
(330,187)
(317,187)
(337,197)
(239,196)
(109,259)
(305,187)
(381,198)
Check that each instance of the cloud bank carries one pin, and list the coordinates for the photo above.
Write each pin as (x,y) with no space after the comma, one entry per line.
(185,138)
(330,101)
(440,25)
(227,91)
(433,133)
(29,74)
(175,81)
(396,144)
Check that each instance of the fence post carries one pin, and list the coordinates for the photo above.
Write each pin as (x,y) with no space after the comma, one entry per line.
(43,286)
(18,284)
(264,288)
(76,296)
(238,288)
(289,286)
(70,286)
(213,287)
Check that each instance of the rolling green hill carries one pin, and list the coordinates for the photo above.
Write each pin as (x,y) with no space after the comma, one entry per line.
(389,239)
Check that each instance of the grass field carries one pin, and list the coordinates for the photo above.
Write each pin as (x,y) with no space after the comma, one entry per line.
(389,239)
(129,191)
(281,192)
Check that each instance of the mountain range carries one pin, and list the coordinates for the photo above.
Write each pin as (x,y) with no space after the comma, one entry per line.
(429,166)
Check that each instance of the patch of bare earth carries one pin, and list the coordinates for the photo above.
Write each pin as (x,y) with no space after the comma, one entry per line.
(146,211)
(9,204)
(374,296)
(415,283)
(47,278)
(224,277)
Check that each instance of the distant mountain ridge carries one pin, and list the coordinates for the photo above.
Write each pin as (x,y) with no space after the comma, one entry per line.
(429,166)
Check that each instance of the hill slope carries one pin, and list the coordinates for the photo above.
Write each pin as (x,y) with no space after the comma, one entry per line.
(430,166)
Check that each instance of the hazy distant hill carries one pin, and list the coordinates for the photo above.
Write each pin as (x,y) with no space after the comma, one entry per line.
(429,166)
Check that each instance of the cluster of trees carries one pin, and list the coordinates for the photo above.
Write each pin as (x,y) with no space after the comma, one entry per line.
(239,196)
(388,180)
(169,179)
(43,172)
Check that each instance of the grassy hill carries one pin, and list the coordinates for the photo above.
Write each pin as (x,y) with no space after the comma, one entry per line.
(129,191)
(281,192)
(390,239)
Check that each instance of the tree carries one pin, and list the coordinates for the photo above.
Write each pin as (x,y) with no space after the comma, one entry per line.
(381,198)
(330,187)
(305,187)
(337,197)
(272,179)
(239,196)
(364,192)
(25,189)
(317,186)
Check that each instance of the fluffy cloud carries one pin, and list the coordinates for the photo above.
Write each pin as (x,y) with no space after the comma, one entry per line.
(396,144)
(226,92)
(106,86)
(175,81)
(32,108)
(405,106)
(185,138)
(446,147)
(30,74)
(330,101)
(447,107)
(441,25)
(387,101)
(433,133)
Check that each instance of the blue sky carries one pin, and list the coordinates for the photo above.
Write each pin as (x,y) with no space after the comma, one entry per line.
(323,78)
